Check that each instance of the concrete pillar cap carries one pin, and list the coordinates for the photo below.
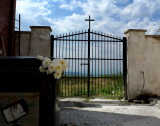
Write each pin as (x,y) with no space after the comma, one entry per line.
(135,30)
(41,27)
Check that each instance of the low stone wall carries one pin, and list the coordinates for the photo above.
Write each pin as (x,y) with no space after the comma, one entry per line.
(34,42)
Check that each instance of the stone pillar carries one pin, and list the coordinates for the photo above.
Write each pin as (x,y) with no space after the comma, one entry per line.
(135,48)
(40,41)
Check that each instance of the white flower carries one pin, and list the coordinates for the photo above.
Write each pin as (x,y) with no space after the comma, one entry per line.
(39,57)
(56,61)
(57,75)
(46,62)
(58,68)
(51,67)
(42,69)
(63,63)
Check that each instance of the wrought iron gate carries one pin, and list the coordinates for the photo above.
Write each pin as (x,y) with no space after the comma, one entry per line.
(97,63)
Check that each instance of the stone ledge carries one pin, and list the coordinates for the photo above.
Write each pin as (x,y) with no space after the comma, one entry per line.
(41,27)
(135,30)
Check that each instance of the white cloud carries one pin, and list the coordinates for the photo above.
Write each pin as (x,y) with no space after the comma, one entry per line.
(44,0)
(142,14)
(71,5)
(110,15)
(99,8)
(32,12)
(72,23)
(33,9)
(141,9)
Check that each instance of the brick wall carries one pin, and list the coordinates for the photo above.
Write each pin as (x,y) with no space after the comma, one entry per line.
(7,22)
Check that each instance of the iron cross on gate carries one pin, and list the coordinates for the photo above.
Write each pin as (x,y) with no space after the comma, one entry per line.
(89,20)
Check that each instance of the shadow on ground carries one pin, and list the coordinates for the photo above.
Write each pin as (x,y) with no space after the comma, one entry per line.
(65,104)
(74,114)
(98,104)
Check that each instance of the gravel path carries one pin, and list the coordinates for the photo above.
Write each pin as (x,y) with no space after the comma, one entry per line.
(100,112)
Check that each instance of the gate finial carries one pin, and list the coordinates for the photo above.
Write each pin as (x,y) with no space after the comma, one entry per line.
(89,20)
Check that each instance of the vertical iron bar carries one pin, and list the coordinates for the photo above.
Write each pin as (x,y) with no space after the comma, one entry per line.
(104,65)
(125,66)
(113,79)
(114,67)
(98,63)
(62,80)
(101,60)
(19,34)
(66,55)
(117,71)
(85,50)
(95,64)
(121,65)
(120,57)
(56,48)
(93,91)
(62,46)
(72,61)
(52,46)
(121,72)
(81,61)
(75,63)
(108,67)
(59,48)
(69,91)
(65,47)
(78,63)
(88,62)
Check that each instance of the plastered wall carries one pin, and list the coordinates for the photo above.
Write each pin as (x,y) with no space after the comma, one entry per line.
(143,69)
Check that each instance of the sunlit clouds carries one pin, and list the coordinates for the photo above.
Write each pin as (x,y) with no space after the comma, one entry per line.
(111,16)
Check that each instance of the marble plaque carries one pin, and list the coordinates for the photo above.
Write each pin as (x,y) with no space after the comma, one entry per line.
(32,100)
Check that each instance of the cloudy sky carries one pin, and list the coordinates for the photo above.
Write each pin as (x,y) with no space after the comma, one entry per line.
(111,16)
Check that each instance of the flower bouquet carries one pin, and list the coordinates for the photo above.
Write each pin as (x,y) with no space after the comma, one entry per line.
(53,67)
